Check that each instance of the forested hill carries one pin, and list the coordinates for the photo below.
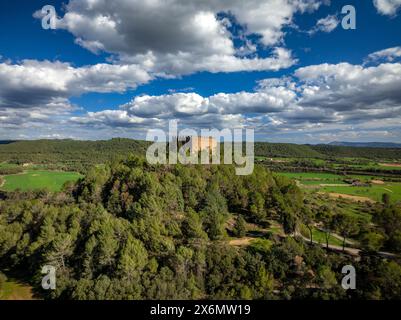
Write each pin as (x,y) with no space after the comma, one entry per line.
(285,150)
(128,230)
(366,144)
(134,231)
(74,154)
(80,155)
(357,152)
(323,151)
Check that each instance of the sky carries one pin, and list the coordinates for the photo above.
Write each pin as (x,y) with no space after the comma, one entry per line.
(285,68)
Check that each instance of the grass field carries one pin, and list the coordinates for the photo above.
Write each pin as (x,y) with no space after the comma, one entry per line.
(332,183)
(38,179)
(375,192)
(310,178)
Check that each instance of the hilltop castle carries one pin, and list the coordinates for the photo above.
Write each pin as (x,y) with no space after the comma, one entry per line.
(198,143)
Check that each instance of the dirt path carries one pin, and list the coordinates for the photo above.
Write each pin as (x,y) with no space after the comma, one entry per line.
(241,242)
(16,290)
(246,241)
(351,251)
(390,165)
(349,197)
(337,236)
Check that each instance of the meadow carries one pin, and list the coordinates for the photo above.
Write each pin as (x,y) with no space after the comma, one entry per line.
(311,178)
(38,179)
(333,183)
(374,192)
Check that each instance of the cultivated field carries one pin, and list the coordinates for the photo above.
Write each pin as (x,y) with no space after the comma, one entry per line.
(374,192)
(371,187)
(38,179)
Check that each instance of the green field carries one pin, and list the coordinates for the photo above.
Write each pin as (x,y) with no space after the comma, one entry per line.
(310,178)
(372,166)
(322,181)
(38,179)
(375,192)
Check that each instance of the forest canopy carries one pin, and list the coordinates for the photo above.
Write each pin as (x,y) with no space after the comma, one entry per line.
(129,230)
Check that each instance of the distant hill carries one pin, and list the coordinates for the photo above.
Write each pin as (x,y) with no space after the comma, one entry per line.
(366,144)
(287,150)
(70,154)
(79,155)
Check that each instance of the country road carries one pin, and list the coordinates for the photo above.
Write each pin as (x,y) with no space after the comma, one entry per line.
(351,251)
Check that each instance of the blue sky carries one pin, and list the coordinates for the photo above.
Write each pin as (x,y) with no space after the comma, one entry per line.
(121,70)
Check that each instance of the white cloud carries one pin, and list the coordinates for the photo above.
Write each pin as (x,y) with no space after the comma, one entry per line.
(268,98)
(178,104)
(181,37)
(387,7)
(113,118)
(36,93)
(187,63)
(318,99)
(326,25)
(346,87)
(43,83)
(389,54)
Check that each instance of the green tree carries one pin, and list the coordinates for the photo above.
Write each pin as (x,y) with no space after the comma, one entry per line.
(3,279)
(240,227)
(346,225)
(215,213)
(192,227)
(308,218)
(372,241)
(386,199)
(133,259)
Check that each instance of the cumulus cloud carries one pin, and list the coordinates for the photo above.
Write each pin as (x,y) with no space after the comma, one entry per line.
(326,25)
(43,83)
(345,87)
(113,118)
(266,99)
(36,93)
(387,7)
(316,98)
(181,37)
(389,55)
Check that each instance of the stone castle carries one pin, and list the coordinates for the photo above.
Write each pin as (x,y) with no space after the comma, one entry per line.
(199,143)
